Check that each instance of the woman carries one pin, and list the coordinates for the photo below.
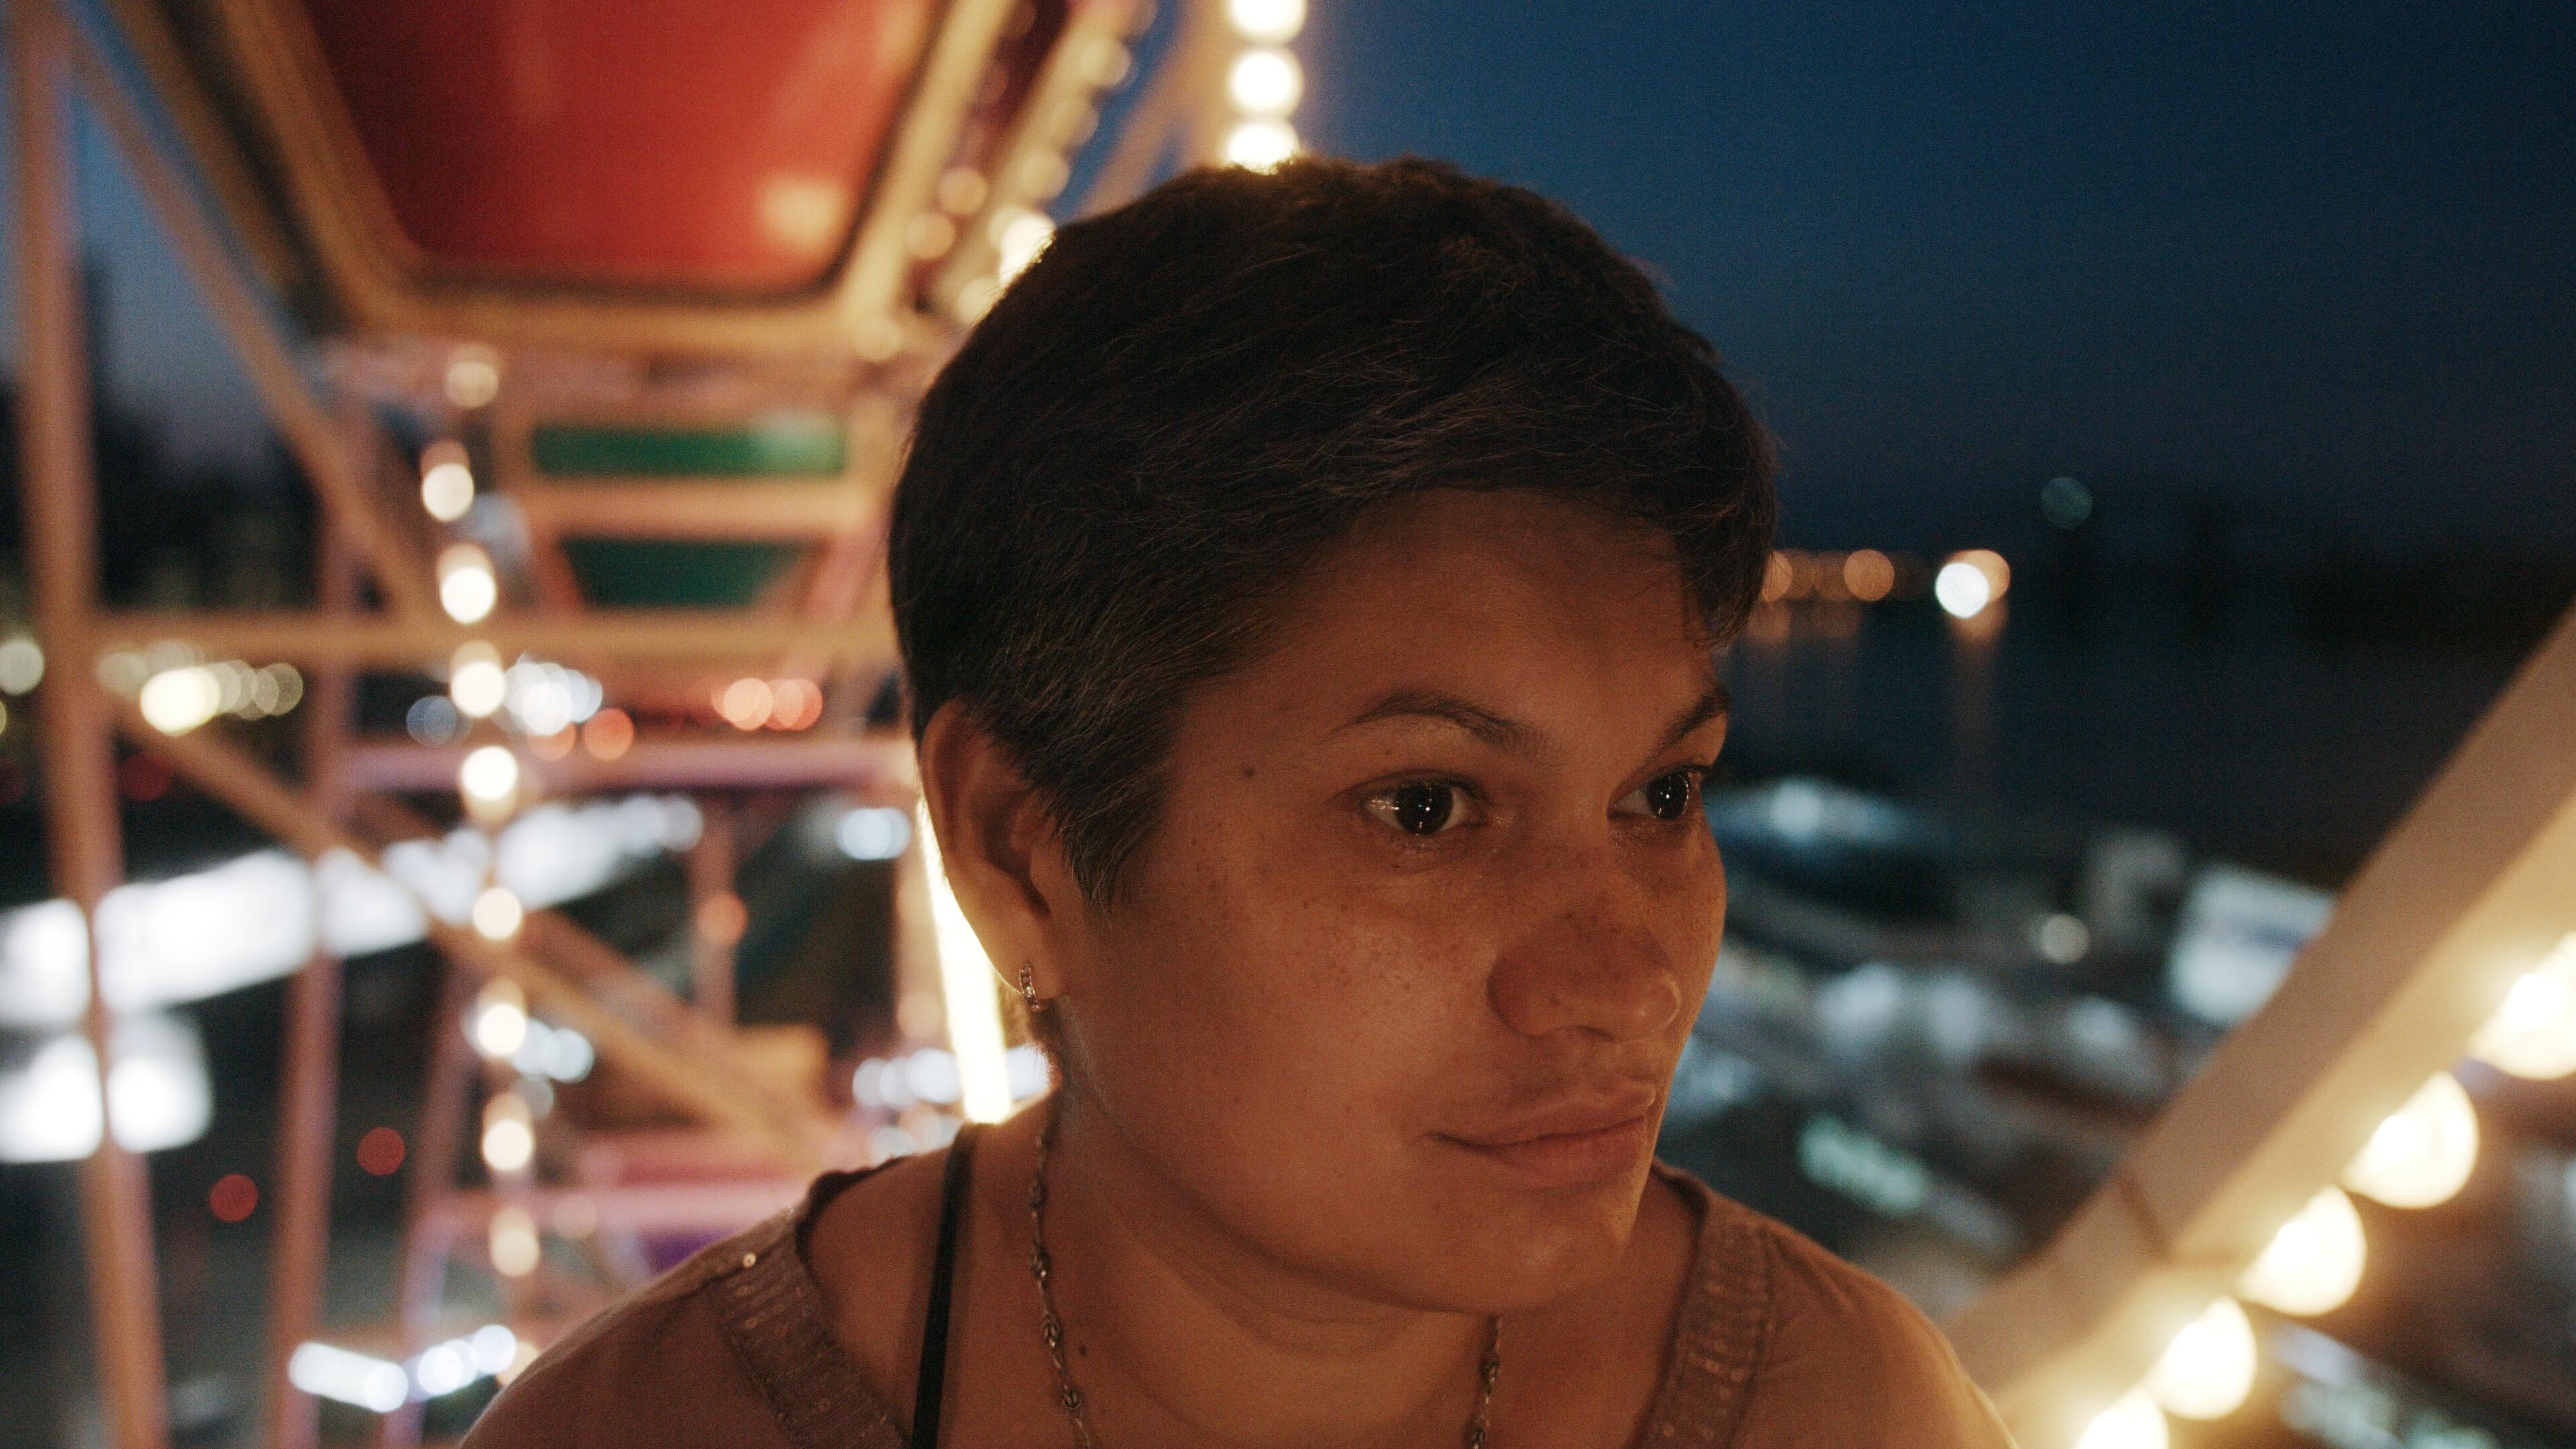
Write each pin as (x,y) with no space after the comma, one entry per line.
(1309,586)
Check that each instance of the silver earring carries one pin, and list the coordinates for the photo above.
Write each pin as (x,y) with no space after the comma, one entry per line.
(1029,986)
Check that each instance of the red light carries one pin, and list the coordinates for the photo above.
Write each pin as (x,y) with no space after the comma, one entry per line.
(234,1198)
(380,1152)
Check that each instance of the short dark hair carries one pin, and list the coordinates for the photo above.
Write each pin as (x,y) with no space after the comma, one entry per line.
(1182,402)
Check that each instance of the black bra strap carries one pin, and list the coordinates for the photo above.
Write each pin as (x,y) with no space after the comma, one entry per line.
(929,1386)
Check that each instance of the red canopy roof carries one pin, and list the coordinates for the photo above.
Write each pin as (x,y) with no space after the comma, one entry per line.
(676,143)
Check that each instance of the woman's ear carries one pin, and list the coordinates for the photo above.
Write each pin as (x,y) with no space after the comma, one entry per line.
(998,843)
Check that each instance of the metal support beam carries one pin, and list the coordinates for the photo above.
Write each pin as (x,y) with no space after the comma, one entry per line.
(2465,894)
(711,872)
(437,1142)
(879,765)
(84,840)
(302,419)
(309,1078)
(723,510)
(690,1081)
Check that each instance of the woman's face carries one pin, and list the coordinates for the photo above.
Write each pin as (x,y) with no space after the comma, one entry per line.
(1395,989)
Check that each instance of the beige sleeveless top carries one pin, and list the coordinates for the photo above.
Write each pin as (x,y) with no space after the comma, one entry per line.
(1779,1344)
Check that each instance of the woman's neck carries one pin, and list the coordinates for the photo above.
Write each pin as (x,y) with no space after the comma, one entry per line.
(1180,1332)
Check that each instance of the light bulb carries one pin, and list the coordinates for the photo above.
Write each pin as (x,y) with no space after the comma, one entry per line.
(2533,1032)
(515,1250)
(467,587)
(446,481)
(1018,236)
(1265,82)
(2208,1369)
(2313,1262)
(473,377)
(1260,144)
(2422,1153)
(498,914)
(1268,21)
(508,1145)
(498,1024)
(176,701)
(476,683)
(489,775)
(2132,1422)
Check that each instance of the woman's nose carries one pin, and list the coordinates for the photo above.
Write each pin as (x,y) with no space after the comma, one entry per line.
(1592,966)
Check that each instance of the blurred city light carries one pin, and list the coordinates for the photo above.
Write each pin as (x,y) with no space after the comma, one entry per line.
(1971,582)
(2065,503)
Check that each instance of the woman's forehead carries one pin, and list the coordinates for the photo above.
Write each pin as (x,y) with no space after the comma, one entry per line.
(1530,610)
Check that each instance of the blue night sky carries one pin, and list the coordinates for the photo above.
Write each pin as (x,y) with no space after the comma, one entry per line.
(2318,255)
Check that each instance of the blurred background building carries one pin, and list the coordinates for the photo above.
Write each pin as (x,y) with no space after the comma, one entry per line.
(449,769)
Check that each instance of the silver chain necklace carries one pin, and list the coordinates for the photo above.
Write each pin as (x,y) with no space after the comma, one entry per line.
(1489,1369)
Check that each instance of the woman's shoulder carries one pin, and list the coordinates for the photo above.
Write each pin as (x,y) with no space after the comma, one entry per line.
(1817,1350)
(734,1346)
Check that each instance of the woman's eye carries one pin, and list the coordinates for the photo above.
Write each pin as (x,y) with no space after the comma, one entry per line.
(1665,797)
(1420,808)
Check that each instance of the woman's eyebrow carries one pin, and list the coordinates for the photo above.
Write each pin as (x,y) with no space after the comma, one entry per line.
(1504,732)
(1713,701)
(1497,730)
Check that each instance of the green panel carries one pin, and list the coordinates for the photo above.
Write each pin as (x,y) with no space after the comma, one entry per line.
(803,446)
(638,573)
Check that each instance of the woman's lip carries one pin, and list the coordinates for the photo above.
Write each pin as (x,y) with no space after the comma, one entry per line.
(1569,1158)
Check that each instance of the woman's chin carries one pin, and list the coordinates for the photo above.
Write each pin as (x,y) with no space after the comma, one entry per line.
(1526,1249)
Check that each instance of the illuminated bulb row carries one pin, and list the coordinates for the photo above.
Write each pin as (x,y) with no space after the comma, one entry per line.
(1264,83)
(2533,1033)
(779,704)
(175,701)
(2420,1155)
(2204,1373)
(501,1030)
